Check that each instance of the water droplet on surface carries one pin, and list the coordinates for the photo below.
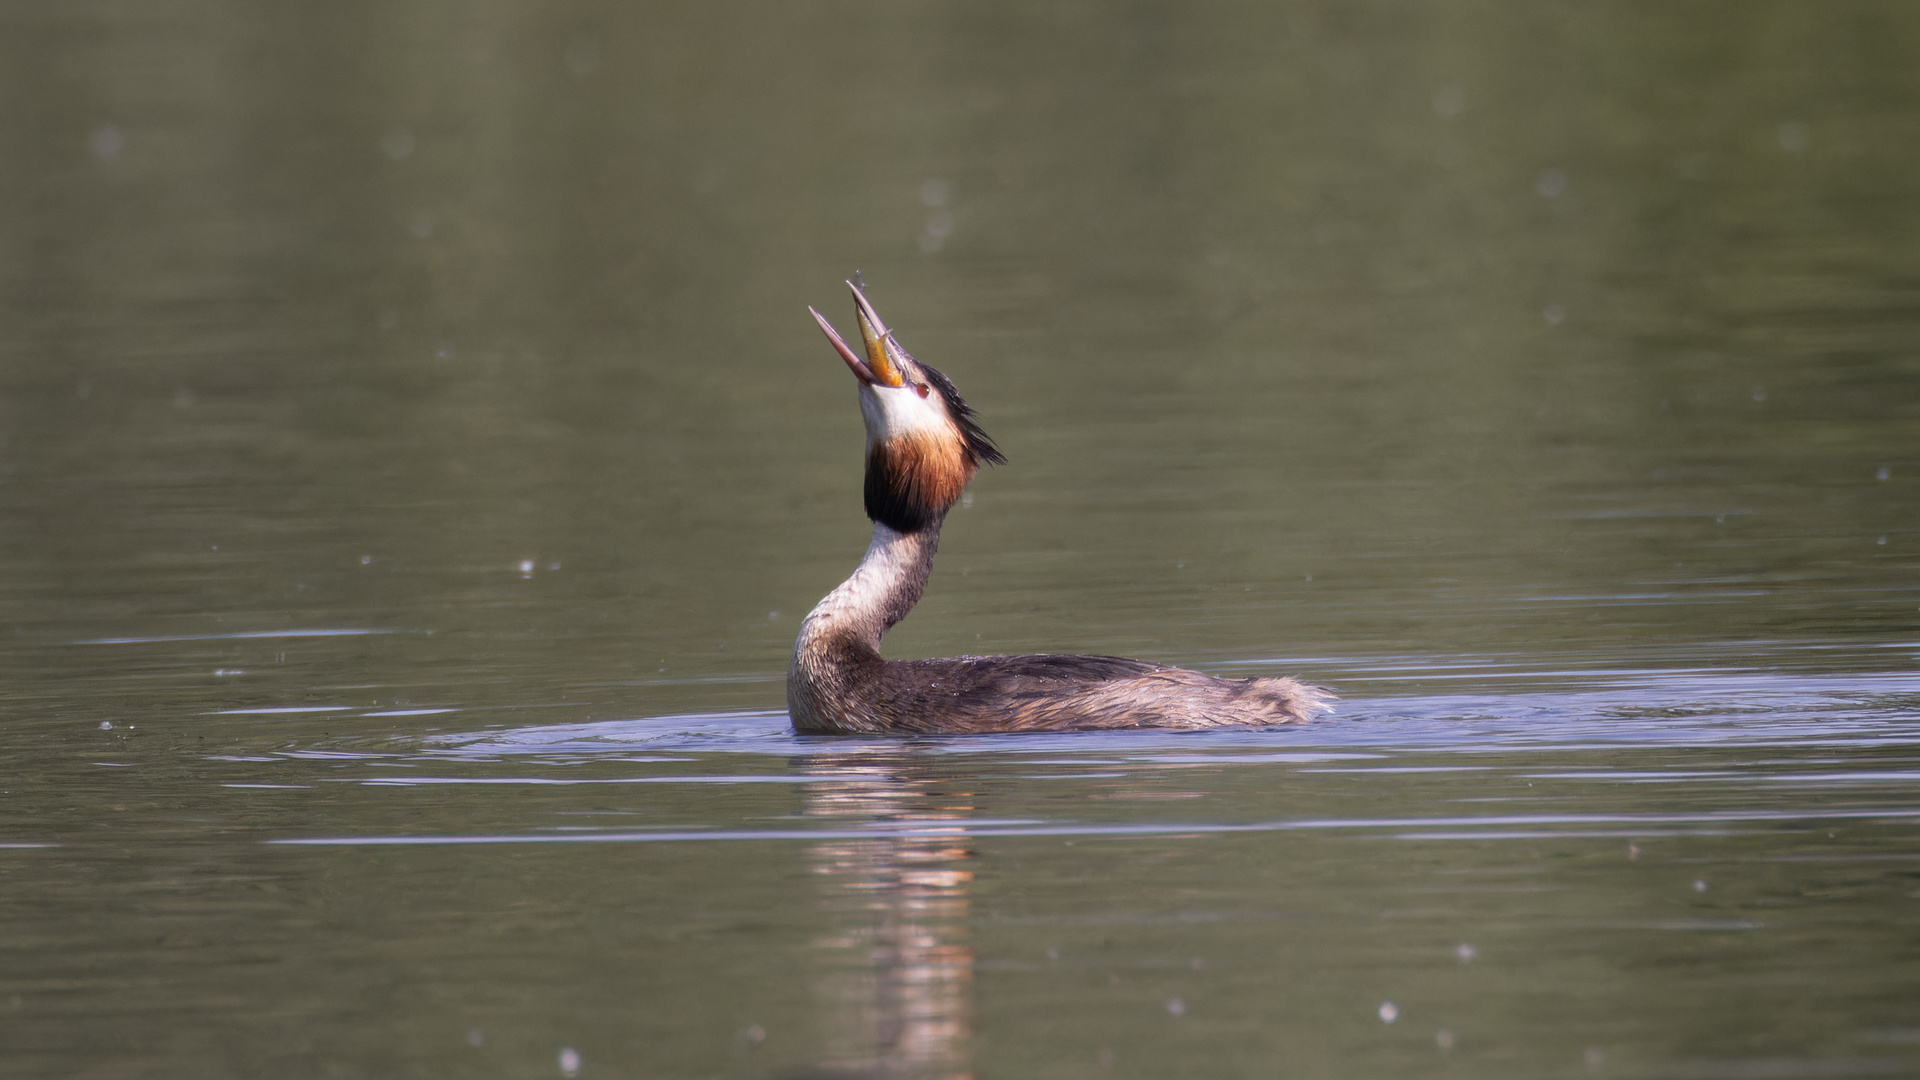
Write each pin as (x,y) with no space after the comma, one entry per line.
(771,615)
(1882,541)
(1465,952)
(1443,1039)
(757,1034)
(526,567)
(106,142)
(1554,314)
(569,1061)
(1176,1007)
(106,725)
(935,192)
(934,236)
(476,1037)
(1883,474)
(1700,885)
(1551,183)
(366,560)
(1389,1012)
(583,56)
(397,144)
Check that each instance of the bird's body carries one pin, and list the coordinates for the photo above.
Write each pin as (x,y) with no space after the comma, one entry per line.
(923,447)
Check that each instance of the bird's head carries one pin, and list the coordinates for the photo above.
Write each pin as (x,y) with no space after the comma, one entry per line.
(923,444)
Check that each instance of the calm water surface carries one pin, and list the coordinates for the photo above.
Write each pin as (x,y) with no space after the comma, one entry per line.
(415,460)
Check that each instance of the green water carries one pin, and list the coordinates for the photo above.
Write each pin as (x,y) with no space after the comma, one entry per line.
(401,404)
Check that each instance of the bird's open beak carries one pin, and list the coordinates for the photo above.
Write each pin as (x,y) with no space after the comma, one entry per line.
(878,367)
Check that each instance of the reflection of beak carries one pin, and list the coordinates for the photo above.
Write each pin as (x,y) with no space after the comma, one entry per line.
(878,367)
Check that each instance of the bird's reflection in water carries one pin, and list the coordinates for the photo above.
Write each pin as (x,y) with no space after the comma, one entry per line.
(896,972)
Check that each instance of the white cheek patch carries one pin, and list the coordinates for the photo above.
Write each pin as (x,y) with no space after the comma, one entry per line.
(892,412)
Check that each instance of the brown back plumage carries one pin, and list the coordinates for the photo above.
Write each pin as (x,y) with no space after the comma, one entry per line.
(984,694)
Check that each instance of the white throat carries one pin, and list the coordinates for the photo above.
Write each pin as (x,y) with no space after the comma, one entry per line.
(893,412)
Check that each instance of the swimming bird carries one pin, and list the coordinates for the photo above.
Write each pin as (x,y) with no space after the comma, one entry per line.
(923,447)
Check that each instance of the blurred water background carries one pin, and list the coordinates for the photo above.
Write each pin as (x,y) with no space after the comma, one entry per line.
(416,457)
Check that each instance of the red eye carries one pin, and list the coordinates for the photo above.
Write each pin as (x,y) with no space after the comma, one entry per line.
(920,388)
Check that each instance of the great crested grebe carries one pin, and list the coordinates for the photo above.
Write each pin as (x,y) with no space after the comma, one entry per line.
(923,447)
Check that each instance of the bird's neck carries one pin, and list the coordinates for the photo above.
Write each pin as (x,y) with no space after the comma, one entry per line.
(883,588)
